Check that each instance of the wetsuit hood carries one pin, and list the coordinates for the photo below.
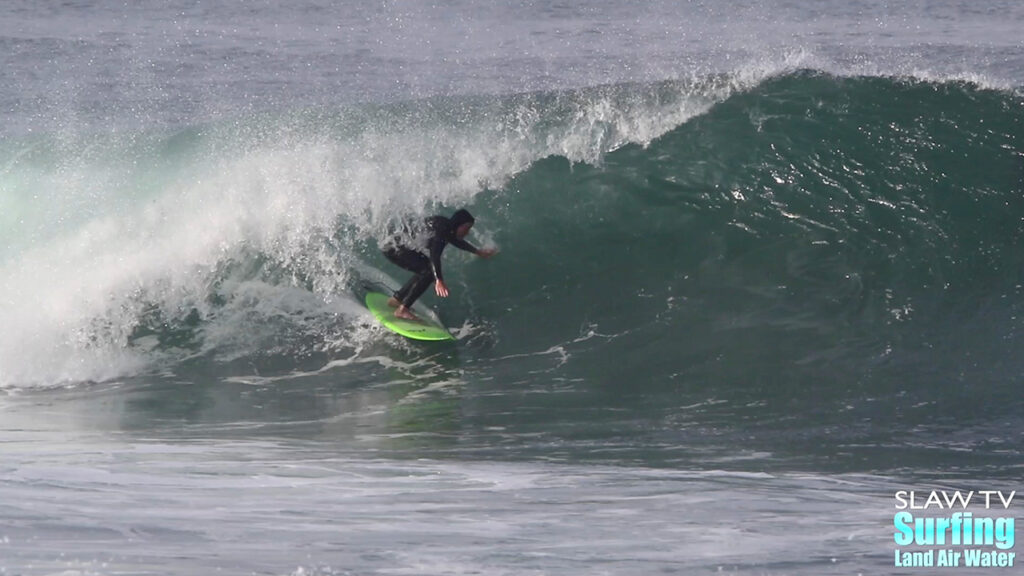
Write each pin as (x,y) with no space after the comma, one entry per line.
(459,218)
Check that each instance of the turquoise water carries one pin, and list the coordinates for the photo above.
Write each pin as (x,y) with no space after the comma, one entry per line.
(758,271)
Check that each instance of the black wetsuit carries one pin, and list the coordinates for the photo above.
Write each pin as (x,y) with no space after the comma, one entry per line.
(427,269)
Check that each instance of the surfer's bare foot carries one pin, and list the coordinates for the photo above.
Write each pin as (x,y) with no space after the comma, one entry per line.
(393,302)
(403,312)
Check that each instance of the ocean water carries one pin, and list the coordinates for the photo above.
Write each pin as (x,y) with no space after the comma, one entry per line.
(759,270)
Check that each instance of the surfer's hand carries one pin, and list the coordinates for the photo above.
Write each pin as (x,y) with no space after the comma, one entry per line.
(486,252)
(441,289)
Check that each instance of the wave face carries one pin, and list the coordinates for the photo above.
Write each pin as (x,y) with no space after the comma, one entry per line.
(816,257)
(777,244)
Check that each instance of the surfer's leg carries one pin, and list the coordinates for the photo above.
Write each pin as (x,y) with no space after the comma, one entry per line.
(414,262)
(411,292)
(420,283)
(402,292)
(410,260)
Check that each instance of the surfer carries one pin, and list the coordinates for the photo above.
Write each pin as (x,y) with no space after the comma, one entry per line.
(421,255)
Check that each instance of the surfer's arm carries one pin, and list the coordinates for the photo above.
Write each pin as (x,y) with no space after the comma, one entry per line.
(481,252)
(436,247)
(463,245)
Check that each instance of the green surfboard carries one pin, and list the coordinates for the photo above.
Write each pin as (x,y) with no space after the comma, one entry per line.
(424,329)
